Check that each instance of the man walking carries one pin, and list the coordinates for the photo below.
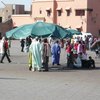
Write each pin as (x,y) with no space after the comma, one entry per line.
(5,48)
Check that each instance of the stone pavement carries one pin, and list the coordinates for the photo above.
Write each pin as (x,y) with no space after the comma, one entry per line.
(18,83)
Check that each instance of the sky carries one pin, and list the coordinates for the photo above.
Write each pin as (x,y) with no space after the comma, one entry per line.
(27,3)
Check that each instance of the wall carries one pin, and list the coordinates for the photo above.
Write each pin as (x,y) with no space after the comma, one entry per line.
(42,6)
(6,12)
(93,24)
(89,23)
(62,20)
(6,26)
(19,20)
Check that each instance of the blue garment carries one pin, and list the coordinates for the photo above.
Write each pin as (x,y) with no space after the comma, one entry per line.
(55,50)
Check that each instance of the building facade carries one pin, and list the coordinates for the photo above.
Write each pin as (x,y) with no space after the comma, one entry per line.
(83,15)
(6,22)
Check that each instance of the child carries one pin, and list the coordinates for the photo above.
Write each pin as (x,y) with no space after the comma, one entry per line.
(91,62)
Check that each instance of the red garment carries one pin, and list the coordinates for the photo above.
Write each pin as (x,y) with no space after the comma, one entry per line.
(68,49)
(5,44)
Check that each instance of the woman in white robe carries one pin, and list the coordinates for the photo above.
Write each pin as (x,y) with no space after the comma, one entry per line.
(36,49)
(1,45)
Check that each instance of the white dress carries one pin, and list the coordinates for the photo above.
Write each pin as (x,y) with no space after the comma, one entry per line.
(1,47)
(78,62)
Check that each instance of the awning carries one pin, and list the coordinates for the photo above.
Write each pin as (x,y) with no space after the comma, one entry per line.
(80,8)
(87,9)
(78,26)
(59,8)
(48,9)
(68,8)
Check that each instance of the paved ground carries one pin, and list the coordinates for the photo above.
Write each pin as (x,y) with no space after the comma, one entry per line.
(18,83)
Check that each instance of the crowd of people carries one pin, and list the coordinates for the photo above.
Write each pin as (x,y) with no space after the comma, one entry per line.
(40,50)
(39,53)
(77,56)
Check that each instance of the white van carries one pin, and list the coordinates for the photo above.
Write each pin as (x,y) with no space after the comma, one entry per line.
(83,35)
(86,34)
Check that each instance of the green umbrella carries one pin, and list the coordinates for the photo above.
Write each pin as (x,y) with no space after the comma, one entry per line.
(20,32)
(73,32)
(39,29)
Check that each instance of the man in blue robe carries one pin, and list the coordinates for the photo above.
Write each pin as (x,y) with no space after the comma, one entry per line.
(56,50)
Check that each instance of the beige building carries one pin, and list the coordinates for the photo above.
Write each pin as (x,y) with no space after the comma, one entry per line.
(81,14)
(5,13)
(6,22)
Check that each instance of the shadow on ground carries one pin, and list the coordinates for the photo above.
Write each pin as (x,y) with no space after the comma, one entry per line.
(64,68)
(6,78)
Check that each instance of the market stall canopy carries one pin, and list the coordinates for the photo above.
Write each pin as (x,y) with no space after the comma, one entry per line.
(72,32)
(38,29)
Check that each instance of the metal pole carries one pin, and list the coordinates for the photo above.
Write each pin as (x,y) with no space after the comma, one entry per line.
(3,3)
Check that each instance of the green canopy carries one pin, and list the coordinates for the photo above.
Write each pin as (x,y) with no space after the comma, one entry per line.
(20,32)
(39,29)
(73,32)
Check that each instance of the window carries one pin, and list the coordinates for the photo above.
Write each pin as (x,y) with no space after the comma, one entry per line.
(48,12)
(80,12)
(40,11)
(68,12)
(59,12)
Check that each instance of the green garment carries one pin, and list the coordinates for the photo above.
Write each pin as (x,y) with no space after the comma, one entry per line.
(30,59)
(35,49)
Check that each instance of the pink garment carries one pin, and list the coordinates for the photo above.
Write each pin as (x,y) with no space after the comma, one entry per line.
(75,46)
(79,49)
(84,48)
